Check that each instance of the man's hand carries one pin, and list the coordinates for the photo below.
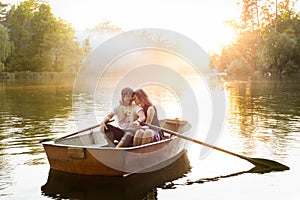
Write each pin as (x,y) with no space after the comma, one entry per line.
(106,120)
(103,127)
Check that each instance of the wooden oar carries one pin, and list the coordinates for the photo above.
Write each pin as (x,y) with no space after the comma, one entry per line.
(64,137)
(261,163)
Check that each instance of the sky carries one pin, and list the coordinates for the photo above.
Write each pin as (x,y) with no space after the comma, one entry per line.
(201,20)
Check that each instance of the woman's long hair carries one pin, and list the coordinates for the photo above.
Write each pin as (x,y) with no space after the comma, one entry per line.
(142,95)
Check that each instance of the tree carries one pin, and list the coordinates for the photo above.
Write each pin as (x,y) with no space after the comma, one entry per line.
(20,35)
(5,46)
(42,27)
(66,54)
(268,38)
(86,46)
(280,51)
(99,33)
(42,43)
(3,13)
(250,15)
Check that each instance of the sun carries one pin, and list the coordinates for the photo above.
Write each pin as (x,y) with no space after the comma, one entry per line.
(224,37)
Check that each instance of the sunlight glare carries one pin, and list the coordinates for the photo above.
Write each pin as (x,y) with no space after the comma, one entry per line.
(203,22)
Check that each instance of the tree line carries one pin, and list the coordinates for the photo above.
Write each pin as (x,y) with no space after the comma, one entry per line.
(268,39)
(33,39)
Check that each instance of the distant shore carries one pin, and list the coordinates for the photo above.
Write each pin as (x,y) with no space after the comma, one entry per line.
(36,75)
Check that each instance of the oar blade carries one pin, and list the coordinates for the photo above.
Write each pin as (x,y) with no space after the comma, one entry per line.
(265,165)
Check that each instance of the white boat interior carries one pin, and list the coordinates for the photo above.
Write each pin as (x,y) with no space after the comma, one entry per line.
(93,137)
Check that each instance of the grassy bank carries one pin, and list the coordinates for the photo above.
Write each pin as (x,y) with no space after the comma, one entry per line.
(37,75)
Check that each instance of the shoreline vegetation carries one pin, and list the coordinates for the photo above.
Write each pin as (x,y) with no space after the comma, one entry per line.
(36,75)
(71,76)
(268,40)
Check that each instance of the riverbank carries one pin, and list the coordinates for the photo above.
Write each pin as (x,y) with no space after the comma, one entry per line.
(36,75)
(70,76)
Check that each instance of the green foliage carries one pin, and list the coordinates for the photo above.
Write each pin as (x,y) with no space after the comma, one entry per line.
(41,42)
(5,47)
(86,46)
(277,52)
(240,54)
(238,67)
(268,39)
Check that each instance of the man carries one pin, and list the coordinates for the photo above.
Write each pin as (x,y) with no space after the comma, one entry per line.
(129,117)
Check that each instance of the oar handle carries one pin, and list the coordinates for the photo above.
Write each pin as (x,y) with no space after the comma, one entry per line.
(64,137)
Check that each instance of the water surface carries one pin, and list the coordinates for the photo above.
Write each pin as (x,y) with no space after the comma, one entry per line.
(262,120)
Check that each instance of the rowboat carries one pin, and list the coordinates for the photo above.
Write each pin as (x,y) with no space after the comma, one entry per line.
(76,186)
(88,153)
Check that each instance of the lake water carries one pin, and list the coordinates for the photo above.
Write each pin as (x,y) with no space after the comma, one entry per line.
(262,120)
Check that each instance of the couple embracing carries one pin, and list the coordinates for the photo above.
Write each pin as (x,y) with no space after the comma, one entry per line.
(130,116)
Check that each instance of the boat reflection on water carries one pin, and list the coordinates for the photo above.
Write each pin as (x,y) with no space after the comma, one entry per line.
(61,185)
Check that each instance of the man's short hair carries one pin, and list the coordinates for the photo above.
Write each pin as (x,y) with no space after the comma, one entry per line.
(126,91)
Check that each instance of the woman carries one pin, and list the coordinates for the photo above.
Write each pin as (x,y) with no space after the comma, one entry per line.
(144,136)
